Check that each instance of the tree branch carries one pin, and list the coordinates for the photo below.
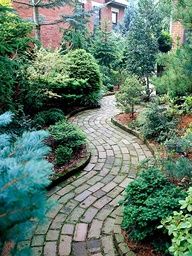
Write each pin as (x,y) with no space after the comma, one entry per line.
(18,2)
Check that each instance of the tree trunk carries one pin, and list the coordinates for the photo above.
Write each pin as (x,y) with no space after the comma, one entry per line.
(36,20)
(148,88)
(132,111)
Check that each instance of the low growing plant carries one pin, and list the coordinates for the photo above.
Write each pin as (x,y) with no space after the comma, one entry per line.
(179,227)
(67,134)
(156,123)
(182,145)
(63,154)
(48,117)
(149,199)
(178,168)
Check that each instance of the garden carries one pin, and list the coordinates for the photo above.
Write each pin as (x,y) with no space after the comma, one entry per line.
(64,162)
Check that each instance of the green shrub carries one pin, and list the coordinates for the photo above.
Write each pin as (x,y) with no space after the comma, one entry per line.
(149,199)
(179,227)
(67,134)
(80,65)
(63,154)
(156,123)
(180,144)
(48,117)
(178,168)
(129,94)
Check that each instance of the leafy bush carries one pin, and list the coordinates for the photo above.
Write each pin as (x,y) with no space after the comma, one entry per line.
(149,199)
(80,65)
(179,227)
(63,154)
(67,134)
(129,94)
(156,123)
(69,80)
(24,174)
(49,117)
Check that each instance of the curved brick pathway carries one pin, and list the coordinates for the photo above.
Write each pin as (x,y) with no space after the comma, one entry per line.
(82,222)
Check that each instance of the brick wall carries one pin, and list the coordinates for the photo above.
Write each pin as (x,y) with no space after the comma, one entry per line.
(51,35)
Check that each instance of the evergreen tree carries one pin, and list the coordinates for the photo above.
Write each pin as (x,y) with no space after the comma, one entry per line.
(142,41)
(13,32)
(77,36)
(107,48)
(24,173)
(177,78)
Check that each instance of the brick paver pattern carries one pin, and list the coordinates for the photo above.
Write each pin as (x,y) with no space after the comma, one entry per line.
(82,221)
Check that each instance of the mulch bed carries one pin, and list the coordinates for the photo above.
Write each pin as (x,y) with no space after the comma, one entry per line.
(125,119)
(140,249)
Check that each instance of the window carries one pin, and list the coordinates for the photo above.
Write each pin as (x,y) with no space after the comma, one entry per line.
(114,18)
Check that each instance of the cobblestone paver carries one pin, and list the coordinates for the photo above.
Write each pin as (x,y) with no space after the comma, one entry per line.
(81,223)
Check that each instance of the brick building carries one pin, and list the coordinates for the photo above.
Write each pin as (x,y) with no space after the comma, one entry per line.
(51,35)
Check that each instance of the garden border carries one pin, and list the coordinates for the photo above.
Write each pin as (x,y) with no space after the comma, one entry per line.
(81,164)
(118,238)
(151,146)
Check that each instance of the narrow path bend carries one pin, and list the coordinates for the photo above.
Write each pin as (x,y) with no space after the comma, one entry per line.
(82,222)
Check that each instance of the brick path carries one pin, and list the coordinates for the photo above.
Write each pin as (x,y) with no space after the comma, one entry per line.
(81,224)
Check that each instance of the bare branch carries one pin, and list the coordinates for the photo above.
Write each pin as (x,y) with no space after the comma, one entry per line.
(19,2)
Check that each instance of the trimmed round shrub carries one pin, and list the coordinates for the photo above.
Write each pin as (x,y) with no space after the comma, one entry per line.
(63,155)
(67,134)
(81,66)
(48,117)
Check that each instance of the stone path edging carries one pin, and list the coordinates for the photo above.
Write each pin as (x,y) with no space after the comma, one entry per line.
(80,165)
(151,146)
(119,239)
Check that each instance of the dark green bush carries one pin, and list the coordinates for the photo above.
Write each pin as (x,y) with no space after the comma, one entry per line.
(156,123)
(67,134)
(165,42)
(63,154)
(149,199)
(48,117)
(80,65)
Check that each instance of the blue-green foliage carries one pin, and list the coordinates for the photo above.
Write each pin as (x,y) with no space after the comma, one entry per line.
(24,173)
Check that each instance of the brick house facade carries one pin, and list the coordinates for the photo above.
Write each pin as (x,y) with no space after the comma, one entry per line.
(51,35)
